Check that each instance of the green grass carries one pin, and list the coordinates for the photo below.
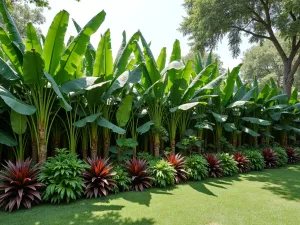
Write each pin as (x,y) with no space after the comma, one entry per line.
(267,197)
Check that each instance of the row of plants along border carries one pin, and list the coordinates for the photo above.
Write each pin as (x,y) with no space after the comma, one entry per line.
(65,177)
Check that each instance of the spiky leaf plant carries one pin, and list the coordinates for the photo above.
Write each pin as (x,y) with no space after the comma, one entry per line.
(139,174)
(197,167)
(214,165)
(270,157)
(292,155)
(98,178)
(242,162)
(19,185)
(256,160)
(179,164)
(229,165)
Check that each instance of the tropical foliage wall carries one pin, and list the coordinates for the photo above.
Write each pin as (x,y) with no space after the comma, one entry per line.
(76,95)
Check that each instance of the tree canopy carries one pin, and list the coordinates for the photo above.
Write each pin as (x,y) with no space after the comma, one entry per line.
(208,21)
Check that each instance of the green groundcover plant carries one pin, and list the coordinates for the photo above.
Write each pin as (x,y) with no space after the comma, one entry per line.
(197,167)
(121,178)
(256,160)
(62,174)
(163,173)
(228,165)
(282,156)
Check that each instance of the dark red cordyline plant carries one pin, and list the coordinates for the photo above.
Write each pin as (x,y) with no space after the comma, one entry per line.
(243,163)
(19,185)
(137,170)
(271,158)
(214,165)
(178,162)
(292,155)
(98,178)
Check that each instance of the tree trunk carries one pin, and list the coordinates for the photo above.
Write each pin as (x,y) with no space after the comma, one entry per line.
(34,150)
(94,147)
(151,143)
(42,144)
(106,142)
(173,145)
(200,136)
(288,78)
(156,145)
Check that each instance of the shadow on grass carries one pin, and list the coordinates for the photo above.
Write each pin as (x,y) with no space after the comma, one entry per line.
(202,186)
(145,198)
(284,182)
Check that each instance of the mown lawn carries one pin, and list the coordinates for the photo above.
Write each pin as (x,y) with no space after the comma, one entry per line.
(268,197)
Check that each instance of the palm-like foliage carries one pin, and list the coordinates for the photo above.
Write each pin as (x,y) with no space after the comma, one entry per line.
(271,158)
(19,185)
(243,163)
(98,178)
(178,162)
(137,170)
(214,165)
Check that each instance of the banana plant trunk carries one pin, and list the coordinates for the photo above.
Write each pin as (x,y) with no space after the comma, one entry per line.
(106,142)
(94,146)
(34,150)
(42,143)
(234,139)
(173,146)
(200,136)
(156,145)
(218,136)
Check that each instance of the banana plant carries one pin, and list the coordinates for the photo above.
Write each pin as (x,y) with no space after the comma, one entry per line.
(42,70)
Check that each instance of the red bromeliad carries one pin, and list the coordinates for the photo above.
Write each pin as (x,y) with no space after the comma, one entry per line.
(98,178)
(178,162)
(19,184)
(137,170)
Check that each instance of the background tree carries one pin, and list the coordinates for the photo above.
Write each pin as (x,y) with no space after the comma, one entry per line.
(207,22)
(264,63)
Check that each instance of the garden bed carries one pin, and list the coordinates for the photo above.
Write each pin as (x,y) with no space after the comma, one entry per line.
(262,197)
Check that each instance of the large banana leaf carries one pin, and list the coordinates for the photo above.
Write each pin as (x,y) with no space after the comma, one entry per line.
(256,121)
(124,54)
(198,63)
(7,72)
(61,98)
(18,122)
(145,127)
(229,85)
(54,42)
(90,53)
(132,77)
(33,68)
(124,110)
(161,60)
(249,131)
(32,41)
(103,65)
(10,51)
(89,119)
(80,83)
(121,49)
(73,54)
(193,88)
(220,118)
(186,106)
(7,139)
(14,34)
(15,104)
(105,123)
(176,52)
